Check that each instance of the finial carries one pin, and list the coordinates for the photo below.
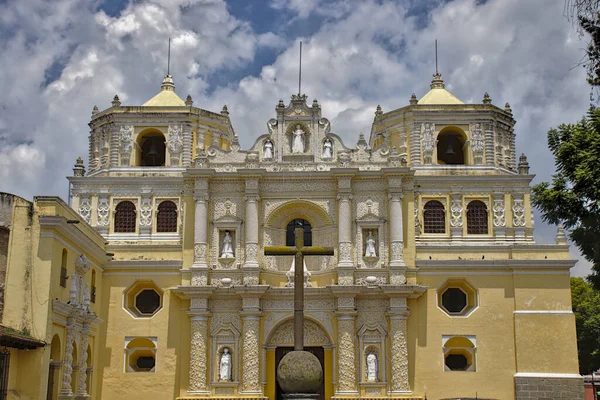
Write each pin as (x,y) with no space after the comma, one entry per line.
(413,100)
(189,101)
(168,84)
(281,104)
(507,108)
(561,236)
(437,82)
(523,166)
(224,111)
(79,168)
(94,110)
(378,111)
(315,103)
(235,143)
(116,102)
(486,98)
(362,143)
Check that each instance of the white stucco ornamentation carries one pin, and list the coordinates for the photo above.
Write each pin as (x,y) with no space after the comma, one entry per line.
(313,334)
(346,355)
(85,209)
(250,364)
(518,209)
(198,342)
(456,221)
(399,361)
(103,212)
(82,375)
(498,208)
(67,366)
(146,213)
(126,141)
(175,143)
(477,142)
(427,142)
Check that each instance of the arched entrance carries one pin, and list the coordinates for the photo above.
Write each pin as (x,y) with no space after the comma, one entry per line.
(281,340)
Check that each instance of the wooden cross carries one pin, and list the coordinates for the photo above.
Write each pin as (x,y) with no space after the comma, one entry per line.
(299,251)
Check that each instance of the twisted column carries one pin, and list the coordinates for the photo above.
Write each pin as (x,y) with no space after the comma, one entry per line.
(67,368)
(114,147)
(82,376)
(187,145)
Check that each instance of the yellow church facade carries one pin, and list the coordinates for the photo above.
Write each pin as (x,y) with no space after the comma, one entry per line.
(153,283)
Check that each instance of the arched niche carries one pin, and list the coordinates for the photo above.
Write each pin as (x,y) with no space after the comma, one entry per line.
(151,149)
(282,334)
(452,146)
(323,230)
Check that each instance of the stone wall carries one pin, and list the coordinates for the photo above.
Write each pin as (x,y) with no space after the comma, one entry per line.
(529,388)
(6,205)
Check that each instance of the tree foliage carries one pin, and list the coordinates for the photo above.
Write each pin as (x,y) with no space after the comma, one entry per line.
(572,198)
(586,15)
(586,306)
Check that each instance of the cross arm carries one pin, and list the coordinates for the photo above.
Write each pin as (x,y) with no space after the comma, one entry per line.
(291,251)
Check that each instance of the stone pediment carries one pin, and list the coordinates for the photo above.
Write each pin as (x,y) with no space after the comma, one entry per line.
(228,218)
(225,330)
(369,217)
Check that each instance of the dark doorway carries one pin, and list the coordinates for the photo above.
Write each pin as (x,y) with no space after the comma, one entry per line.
(282,351)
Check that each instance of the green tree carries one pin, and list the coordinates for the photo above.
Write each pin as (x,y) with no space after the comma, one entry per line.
(572,198)
(586,306)
(586,15)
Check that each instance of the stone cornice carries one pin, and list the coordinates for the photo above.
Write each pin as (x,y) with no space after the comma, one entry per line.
(494,264)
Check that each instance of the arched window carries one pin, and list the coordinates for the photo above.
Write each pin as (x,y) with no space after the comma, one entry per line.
(125,217)
(450,148)
(434,217)
(477,218)
(298,223)
(153,150)
(63,269)
(166,218)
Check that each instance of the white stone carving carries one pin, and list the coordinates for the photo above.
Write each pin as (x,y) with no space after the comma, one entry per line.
(68,359)
(126,139)
(456,220)
(399,353)
(291,272)
(198,367)
(372,367)
(103,212)
(250,365)
(498,208)
(327,149)
(271,124)
(146,213)
(199,251)
(175,143)
(346,355)
(225,366)
(85,209)
(427,142)
(371,246)
(268,149)
(518,209)
(313,334)
(298,140)
(477,142)
(82,375)
(227,246)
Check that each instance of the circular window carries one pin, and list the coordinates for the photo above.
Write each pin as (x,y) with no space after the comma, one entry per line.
(454,300)
(456,362)
(147,301)
(145,363)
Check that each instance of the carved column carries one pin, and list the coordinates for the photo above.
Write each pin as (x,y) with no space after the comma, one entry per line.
(398,316)
(114,147)
(415,144)
(346,314)
(200,265)
(250,346)
(67,368)
(489,144)
(187,145)
(345,230)
(82,376)
(251,226)
(198,345)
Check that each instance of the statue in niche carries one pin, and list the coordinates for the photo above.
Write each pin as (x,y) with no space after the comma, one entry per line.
(370,248)
(327,149)
(268,149)
(298,141)
(371,367)
(227,246)
(225,366)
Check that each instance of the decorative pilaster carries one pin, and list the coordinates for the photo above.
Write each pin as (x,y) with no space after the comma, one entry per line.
(518,211)
(250,345)
(146,215)
(346,315)
(398,315)
(428,142)
(251,229)
(200,265)
(67,366)
(114,147)
(499,220)
(126,143)
(396,226)
(198,345)
(345,230)
(103,211)
(187,145)
(477,142)
(489,144)
(82,376)
(175,144)
(456,217)
(415,144)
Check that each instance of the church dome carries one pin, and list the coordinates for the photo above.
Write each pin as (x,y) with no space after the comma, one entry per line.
(438,93)
(166,96)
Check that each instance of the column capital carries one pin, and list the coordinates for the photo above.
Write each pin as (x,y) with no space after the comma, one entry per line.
(344,196)
(395,196)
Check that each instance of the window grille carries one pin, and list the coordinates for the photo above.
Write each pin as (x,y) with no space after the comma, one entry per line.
(125,217)
(166,218)
(434,217)
(477,218)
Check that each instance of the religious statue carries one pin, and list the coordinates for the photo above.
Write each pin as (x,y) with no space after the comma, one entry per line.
(298,141)
(227,246)
(371,367)
(225,366)
(370,249)
(268,149)
(327,148)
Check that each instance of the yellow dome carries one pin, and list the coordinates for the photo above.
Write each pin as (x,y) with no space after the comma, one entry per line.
(167,96)
(438,94)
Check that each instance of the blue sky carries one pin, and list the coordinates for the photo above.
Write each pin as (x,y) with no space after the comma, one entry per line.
(61,58)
